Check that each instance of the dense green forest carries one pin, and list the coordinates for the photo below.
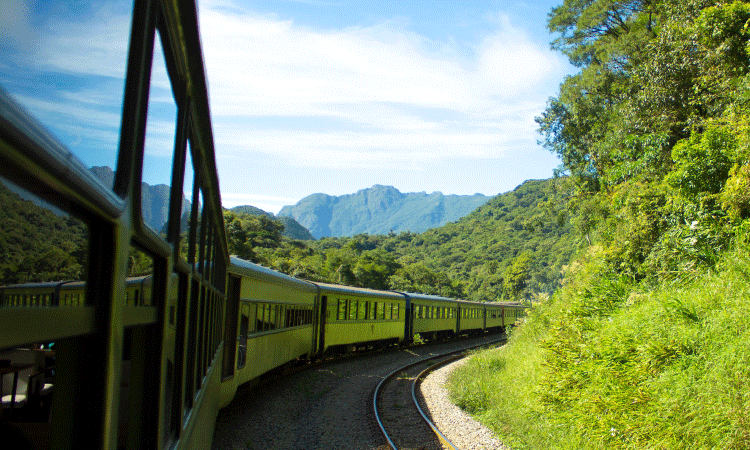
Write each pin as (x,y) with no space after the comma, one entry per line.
(644,345)
(513,247)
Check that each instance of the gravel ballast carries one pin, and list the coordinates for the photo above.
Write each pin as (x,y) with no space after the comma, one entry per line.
(459,427)
(328,406)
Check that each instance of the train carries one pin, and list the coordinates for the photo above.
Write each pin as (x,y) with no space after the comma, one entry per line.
(274,320)
(110,361)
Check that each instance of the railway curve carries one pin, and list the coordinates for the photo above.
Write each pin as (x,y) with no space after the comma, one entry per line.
(327,406)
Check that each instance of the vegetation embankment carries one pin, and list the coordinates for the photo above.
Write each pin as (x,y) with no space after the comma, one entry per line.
(644,346)
(609,365)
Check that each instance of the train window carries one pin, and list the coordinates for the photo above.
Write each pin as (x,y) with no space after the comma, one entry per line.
(139,263)
(373,310)
(362,310)
(197,218)
(381,310)
(47,244)
(341,313)
(161,125)
(266,317)
(187,192)
(353,306)
(395,311)
(242,344)
(53,63)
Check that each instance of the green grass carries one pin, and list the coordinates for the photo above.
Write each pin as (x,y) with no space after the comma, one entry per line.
(607,364)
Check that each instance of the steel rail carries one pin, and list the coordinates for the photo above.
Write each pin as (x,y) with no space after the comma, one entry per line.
(378,389)
(427,420)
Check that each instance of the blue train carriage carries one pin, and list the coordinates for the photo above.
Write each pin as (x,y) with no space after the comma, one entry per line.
(354,318)
(433,317)
(471,319)
(271,317)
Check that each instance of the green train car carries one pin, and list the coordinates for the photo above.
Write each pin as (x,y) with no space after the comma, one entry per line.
(433,317)
(358,317)
(273,316)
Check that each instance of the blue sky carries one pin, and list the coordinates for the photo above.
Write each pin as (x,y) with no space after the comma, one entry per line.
(310,96)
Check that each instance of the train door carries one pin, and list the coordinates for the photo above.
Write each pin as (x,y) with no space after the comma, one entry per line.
(408,321)
(242,339)
(322,329)
(230,326)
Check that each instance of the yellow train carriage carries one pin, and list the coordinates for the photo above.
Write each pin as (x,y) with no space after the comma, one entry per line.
(494,316)
(512,313)
(273,319)
(471,317)
(358,317)
(433,317)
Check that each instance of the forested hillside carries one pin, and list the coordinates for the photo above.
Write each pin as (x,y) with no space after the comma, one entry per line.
(513,247)
(292,229)
(643,346)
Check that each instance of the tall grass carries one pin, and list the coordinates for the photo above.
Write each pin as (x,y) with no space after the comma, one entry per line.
(608,365)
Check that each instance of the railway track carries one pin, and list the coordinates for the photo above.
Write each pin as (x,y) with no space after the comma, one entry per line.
(322,407)
(397,407)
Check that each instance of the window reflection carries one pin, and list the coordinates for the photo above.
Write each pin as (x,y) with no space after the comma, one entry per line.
(161,126)
(38,242)
(65,63)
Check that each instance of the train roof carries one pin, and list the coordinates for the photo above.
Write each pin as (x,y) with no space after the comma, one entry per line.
(415,296)
(341,289)
(39,285)
(244,268)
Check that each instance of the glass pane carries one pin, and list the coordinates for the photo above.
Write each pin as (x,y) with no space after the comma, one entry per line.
(161,125)
(39,243)
(65,62)
(353,310)
(43,259)
(187,190)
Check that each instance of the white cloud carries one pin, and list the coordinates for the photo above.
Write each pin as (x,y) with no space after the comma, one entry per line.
(267,203)
(396,100)
(96,46)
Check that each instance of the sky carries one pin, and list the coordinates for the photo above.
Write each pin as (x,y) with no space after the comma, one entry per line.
(309,96)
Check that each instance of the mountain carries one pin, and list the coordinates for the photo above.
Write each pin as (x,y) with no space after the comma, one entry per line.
(292,228)
(252,210)
(379,210)
(154,199)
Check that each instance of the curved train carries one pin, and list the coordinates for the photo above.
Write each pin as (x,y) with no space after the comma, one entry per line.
(147,362)
(272,319)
